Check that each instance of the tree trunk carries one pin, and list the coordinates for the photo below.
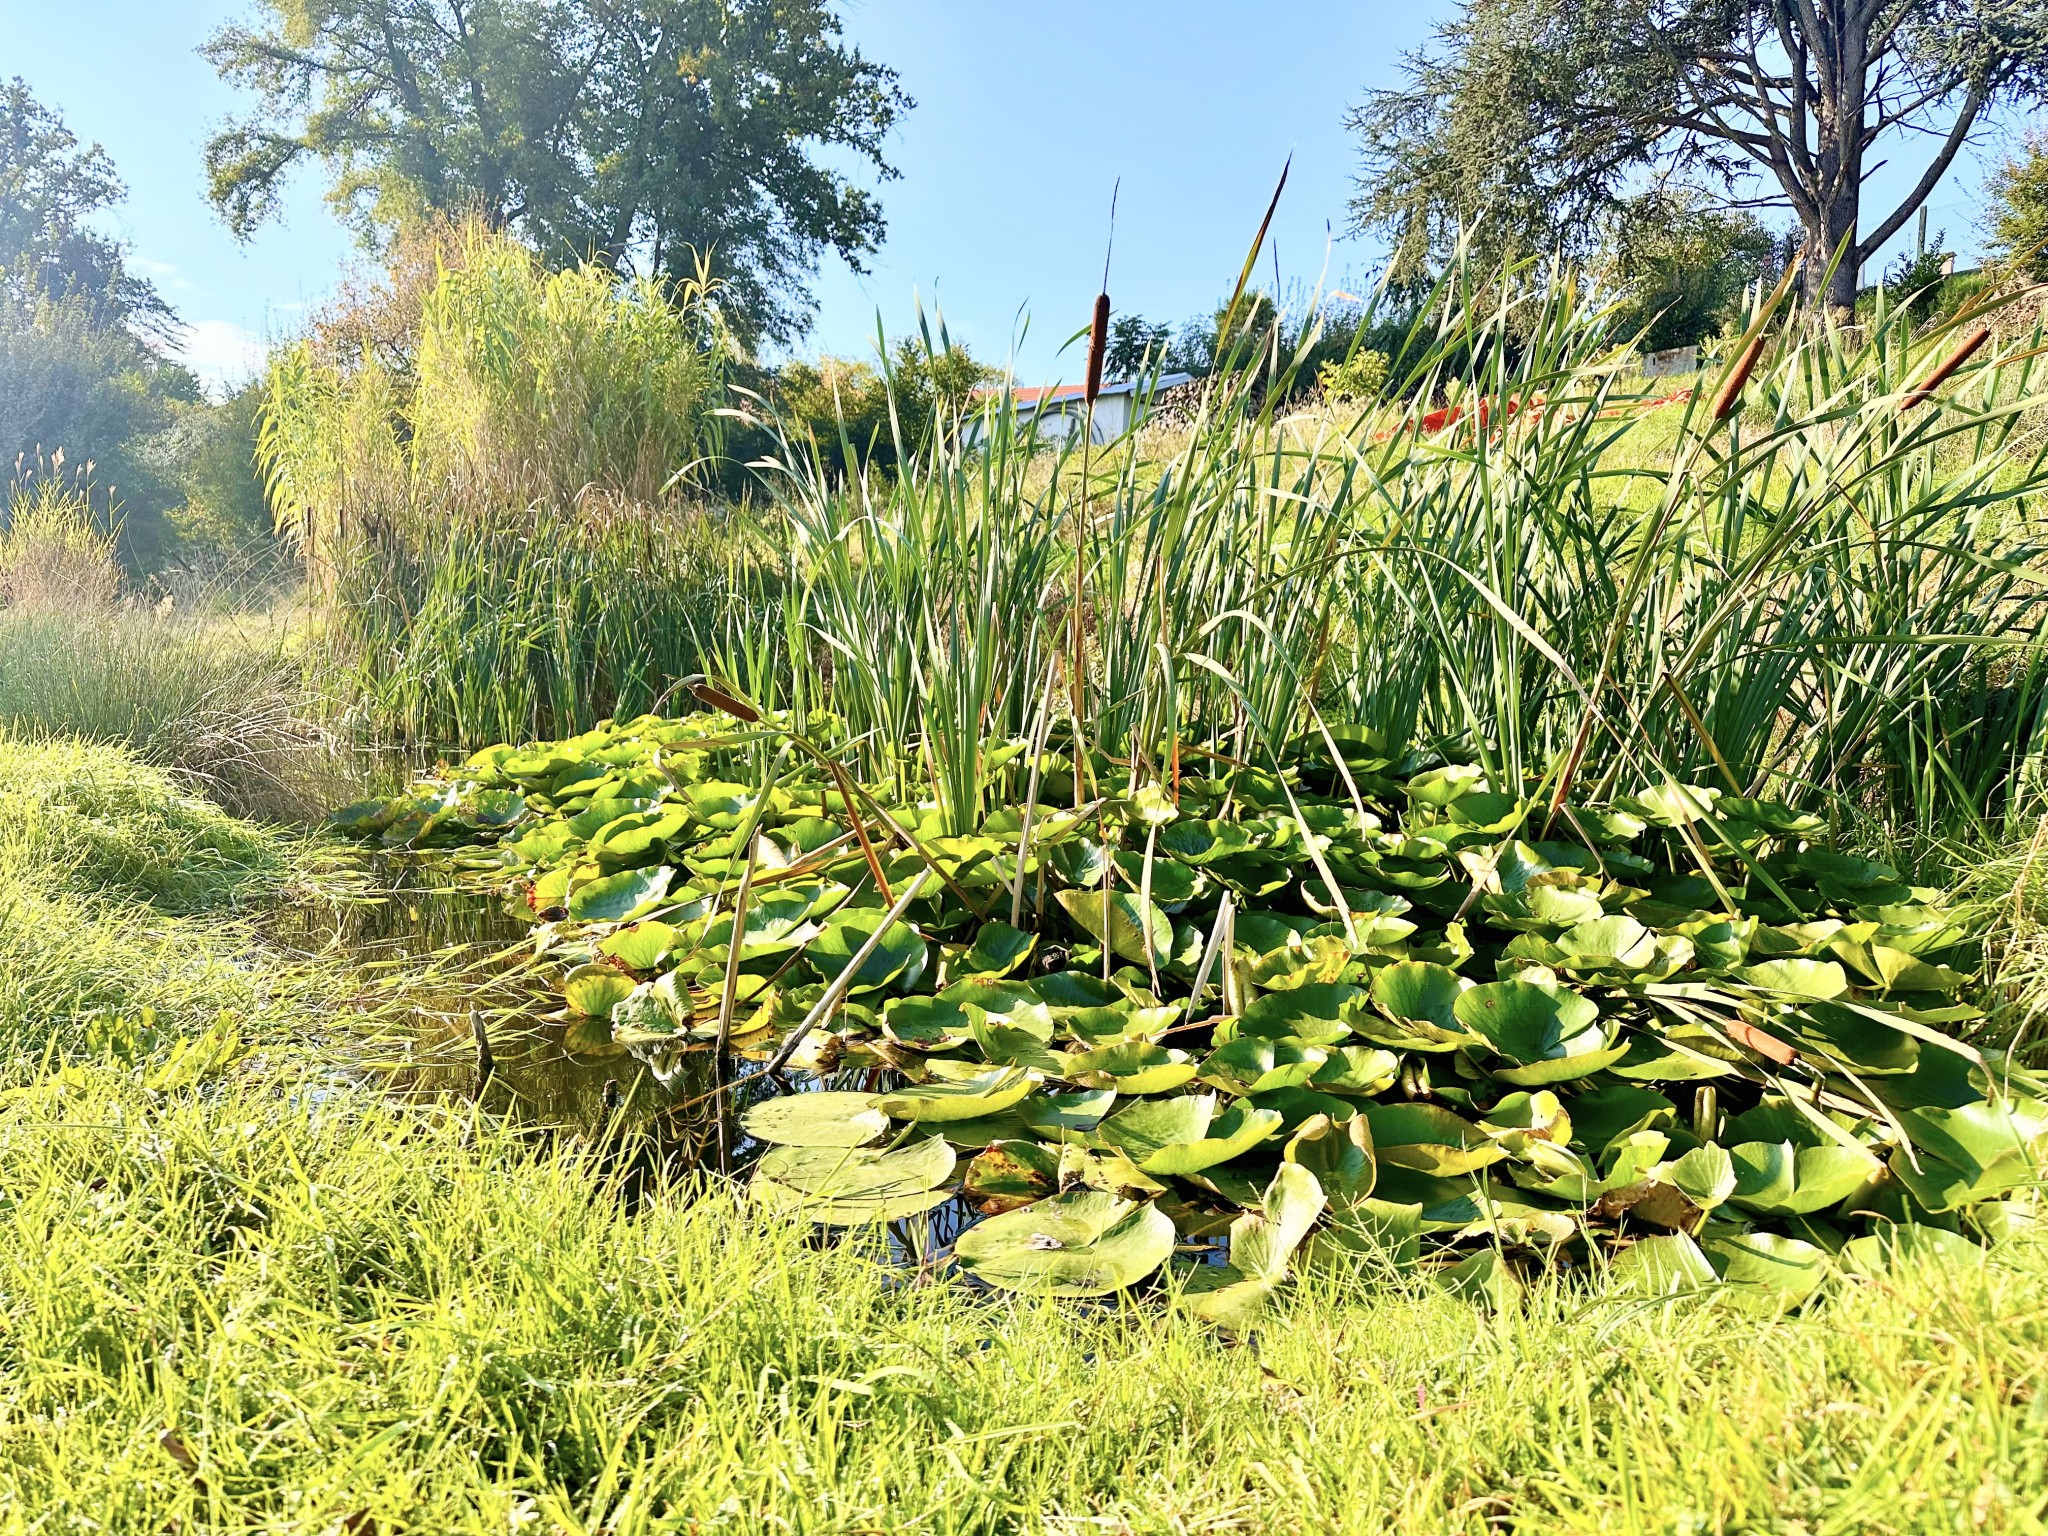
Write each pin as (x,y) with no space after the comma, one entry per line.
(1835,262)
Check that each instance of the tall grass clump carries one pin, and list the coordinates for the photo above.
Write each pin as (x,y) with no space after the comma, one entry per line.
(218,697)
(1829,593)
(499,518)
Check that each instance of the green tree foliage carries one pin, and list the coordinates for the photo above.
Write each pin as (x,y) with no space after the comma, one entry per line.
(1682,265)
(1535,117)
(2019,210)
(649,134)
(50,188)
(1135,344)
(862,415)
(84,382)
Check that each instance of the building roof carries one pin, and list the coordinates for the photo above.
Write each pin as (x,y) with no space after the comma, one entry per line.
(1036,397)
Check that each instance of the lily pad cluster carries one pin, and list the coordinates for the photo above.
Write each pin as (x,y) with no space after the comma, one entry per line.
(1374,1005)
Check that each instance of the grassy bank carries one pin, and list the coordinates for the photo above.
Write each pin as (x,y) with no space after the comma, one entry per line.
(239,1290)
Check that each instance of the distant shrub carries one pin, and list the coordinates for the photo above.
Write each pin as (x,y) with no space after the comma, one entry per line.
(1359,377)
(1915,283)
(871,412)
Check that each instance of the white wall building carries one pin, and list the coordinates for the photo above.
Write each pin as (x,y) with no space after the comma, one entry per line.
(1060,412)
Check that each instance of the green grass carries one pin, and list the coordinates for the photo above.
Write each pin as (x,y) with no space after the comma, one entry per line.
(347,1314)
(123,907)
(345,1311)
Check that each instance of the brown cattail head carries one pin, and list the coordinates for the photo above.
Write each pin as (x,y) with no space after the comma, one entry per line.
(1731,392)
(1098,345)
(719,699)
(1949,365)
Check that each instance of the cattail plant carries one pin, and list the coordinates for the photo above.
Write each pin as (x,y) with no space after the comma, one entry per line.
(1961,355)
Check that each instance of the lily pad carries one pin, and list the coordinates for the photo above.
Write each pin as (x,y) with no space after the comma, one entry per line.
(820,1119)
(997,950)
(1138,930)
(619,898)
(897,961)
(852,1186)
(1133,1067)
(1766,1271)
(1779,1179)
(1262,1243)
(594,990)
(1184,1135)
(1547,1034)
(1429,1139)
(1420,999)
(1255,1066)
(985,1093)
(1088,1243)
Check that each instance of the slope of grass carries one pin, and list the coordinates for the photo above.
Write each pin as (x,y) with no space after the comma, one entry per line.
(121,907)
(348,1317)
(239,1292)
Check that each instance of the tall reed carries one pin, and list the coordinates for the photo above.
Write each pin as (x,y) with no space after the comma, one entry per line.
(1824,596)
(501,519)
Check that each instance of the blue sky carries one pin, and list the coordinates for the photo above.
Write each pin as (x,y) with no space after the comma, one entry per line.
(1026,117)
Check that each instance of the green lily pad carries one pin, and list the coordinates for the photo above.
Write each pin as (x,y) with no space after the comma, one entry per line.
(1262,1244)
(1318,1014)
(1137,930)
(1255,1066)
(1663,1266)
(1547,1034)
(1907,1243)
(1357,1069)
(1767,1272)
(927,1023)
(1185,1134)
(853,1186)
(1429,1139)
(985,1093)
(638,838)
(820,1119)
(642,947)
(1297,1106)
(1088,1243)
(1066,1117)
(594,990)
(1420,999)
(897,961)
(997,950)
(1820,979)
(622,897)
(1618,943)
(1132,1067)
(1779,1179)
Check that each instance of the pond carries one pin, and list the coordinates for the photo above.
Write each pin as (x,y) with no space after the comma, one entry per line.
(470,1017)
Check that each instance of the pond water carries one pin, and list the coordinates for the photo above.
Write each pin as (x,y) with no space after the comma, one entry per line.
(445,965)
(469,1018)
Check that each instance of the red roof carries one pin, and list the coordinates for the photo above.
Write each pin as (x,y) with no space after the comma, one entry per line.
(1040,395)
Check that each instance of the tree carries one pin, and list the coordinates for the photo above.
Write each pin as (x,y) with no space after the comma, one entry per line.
(2019,210)
(1539,116)
(1682,266)
(50,187)
(647,133)
(1135,344)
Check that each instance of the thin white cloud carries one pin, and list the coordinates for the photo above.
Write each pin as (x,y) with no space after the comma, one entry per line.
(224,355)
(162,273)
